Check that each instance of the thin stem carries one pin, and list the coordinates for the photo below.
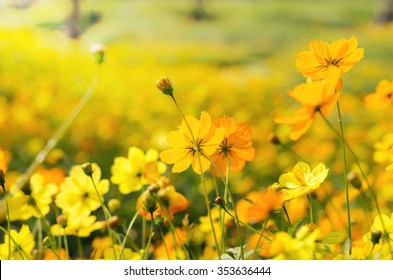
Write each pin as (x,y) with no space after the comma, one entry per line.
(7,209)
(106,214)
(163,241)
(59,133)
(80,247)
(143,233)
(66,246)
(150,237)
(127,233)
(311,209)
(345,177)
(369,185)
(260,237)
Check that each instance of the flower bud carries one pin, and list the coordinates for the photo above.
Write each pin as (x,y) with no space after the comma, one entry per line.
(273,138)
(114,204)
(219,201)
(87,168)
(375,236)
(164,196)
(153,189)
(2,179)
(149,203)
(354,179)
(165,85)
(98,50)
(113,221)
(62,220)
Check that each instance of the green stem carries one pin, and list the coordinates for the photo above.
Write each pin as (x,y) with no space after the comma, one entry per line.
(66,246)
(345,177)
(58,135)
(7,209)
(106,214)
(311,209)
(260,237)
(163,241)
(150,237)
(80,247)
(369,185)
(127,233)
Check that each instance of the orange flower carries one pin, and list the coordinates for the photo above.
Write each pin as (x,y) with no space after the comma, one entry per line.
(341,53)
(235,148)
(316,96)
(382,97)
(259,205)
(193,144)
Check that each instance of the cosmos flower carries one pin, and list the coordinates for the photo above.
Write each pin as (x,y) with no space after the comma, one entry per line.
(193,145)
(382,97)
(235,148)
(23,248)
(136,170)
(316,97)
(341,53)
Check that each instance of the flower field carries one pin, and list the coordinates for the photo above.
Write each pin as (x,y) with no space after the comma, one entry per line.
(238,130)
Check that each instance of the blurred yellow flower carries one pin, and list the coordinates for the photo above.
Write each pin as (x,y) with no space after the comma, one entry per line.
(78,225)
(302,247)
(78,195)
(316,97)
(22,206)
(23,248)
(341,53)
(136,170)
(301,180)
(235,148)
(384,149)
(382,97)
(386,236)
(193,145)
(127,254)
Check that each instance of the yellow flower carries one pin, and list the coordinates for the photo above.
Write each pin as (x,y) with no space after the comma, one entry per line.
(127,254)
(78,225)
(23,248)
(301,180)
(235,148)
(377,225)
(136,170)
(193,145)
(78,195)
(316,97)
(382,97)
(341,53)
(22,206)
(302,247)
(383,149)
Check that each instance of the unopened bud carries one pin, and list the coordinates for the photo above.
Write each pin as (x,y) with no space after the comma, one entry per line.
(149,203)
(219,201)
(87,168)
(114,204)
(354,179)
(164,196)
(62,220)
(153,189)
(375,236)
(273,138)
(98,50)
(113,221)
(165,85)
(2,179)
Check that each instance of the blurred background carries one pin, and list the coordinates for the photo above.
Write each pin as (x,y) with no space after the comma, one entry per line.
(232,57)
